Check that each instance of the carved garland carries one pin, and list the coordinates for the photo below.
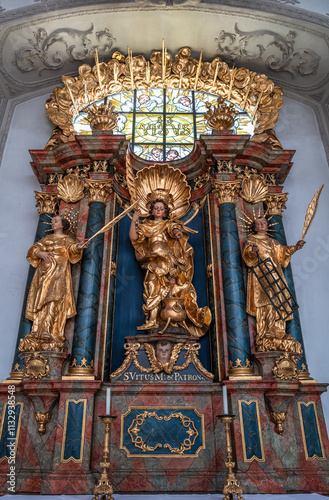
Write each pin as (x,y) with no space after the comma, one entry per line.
(253,92)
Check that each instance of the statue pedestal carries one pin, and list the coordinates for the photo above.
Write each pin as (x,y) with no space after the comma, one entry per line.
(277,365)
(43,364)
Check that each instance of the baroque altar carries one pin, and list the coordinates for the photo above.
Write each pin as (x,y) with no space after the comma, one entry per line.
(163,310)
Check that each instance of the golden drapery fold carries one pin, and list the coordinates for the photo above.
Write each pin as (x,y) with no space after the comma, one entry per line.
(169,271)
(50,300)
(268,321)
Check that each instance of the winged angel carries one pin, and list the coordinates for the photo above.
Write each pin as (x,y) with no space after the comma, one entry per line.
(162,248)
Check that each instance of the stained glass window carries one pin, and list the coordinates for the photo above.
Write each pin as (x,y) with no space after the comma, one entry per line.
(163,124)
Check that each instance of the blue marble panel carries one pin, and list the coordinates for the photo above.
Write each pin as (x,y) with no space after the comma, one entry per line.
(89,288)
(311,432)
(251,431)
(233,284)
(25,324)
(74,431)
(10,431)
(293,327)
(162,431)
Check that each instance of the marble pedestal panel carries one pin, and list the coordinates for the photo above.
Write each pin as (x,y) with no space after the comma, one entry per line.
(166,437)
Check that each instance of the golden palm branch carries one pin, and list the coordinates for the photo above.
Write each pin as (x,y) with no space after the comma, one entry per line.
(311,211)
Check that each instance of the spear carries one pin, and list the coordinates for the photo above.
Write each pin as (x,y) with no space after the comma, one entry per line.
(112,222)
(311,211)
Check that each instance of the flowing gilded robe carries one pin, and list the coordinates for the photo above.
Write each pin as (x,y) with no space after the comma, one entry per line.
(258,304)
(165,257)
(50,300)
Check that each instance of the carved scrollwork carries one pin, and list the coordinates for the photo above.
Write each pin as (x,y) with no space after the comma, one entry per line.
(277,51)
(75,45)
(254,93)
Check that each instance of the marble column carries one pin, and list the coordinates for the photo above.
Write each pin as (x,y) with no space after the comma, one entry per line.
(275,204)
(47,205)
(83,349)
(238,340)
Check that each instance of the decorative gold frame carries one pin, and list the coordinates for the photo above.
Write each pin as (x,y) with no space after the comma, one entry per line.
(153,408)
(18,425)
(245,459)
(253,92)
(84,401)
(315,457)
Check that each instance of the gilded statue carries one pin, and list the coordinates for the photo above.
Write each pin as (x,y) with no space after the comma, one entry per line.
(271,328)
(161,247)
(50,300)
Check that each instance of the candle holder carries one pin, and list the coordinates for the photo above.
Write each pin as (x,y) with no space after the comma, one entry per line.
(104,488)
(232,486)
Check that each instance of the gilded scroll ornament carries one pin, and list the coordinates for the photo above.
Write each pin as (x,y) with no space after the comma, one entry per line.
(162,357)
(254,93)
(188,424)
(285,367)
(36,366)
(254,189)
(70,189)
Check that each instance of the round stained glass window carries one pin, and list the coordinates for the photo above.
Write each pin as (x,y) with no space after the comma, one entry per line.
(163,124)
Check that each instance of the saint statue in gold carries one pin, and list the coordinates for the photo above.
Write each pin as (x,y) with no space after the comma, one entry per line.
(162,249)
(50,300)
(274,308)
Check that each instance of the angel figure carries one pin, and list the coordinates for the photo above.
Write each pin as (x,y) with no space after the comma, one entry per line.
(161,245)
(269,322)
(50,300)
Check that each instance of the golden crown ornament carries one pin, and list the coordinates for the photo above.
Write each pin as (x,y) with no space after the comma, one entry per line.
(102,117)
(222,116)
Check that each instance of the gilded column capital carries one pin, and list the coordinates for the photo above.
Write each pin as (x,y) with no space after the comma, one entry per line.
(276,203)
(46,202)
(97,190)
(226,191)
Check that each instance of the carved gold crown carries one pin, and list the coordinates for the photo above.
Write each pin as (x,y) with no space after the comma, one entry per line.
(102,117)
(222,116)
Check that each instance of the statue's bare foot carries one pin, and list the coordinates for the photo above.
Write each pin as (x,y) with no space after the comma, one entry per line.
(148,326)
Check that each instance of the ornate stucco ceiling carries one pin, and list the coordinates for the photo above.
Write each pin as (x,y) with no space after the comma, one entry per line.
(42,40)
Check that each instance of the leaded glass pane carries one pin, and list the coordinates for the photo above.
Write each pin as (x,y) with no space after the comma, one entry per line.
(177,152)
(149,100)
(142,118)
(244,125)
(150,152)
(149,128)
(179,128)
(200,101)
(179,101)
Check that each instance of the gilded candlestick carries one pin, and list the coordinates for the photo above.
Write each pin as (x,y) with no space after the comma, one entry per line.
(232,486)
(104,488)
